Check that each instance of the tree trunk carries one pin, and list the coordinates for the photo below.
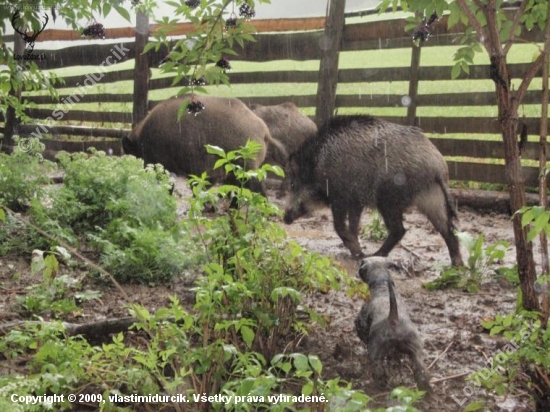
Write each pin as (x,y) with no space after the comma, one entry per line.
(508,119)
(543,187)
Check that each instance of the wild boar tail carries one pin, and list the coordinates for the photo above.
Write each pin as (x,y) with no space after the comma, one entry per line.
(449,202)
(393,317)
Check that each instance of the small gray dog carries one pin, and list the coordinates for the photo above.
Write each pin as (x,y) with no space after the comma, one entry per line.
(384,324)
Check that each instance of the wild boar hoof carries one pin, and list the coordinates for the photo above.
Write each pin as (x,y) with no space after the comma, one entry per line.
(359,255)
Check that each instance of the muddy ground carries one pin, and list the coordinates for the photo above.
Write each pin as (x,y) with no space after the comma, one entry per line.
(449,321)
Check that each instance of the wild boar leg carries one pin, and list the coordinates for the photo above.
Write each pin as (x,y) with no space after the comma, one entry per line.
(421,376)
(339,213)
(354,218)
(393,219)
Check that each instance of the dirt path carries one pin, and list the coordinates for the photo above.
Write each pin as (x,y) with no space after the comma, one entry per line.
(448,321)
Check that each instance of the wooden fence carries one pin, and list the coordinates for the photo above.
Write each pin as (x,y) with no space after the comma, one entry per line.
(304,45)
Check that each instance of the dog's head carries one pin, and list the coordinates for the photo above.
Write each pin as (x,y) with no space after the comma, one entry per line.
(376,268)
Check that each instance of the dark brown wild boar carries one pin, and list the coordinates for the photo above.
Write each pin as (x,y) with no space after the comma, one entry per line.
(287,125)
(359,161)
(180,146)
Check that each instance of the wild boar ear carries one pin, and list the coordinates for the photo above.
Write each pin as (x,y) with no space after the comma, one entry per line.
(126,145)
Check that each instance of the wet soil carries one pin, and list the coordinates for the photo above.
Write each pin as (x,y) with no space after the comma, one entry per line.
(448,321)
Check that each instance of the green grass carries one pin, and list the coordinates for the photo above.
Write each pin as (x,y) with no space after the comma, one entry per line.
(431,56)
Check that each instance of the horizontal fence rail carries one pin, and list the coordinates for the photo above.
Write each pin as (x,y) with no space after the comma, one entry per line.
(94,125)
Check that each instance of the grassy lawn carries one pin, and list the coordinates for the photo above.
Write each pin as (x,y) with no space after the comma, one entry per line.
(367,59)
(431,56)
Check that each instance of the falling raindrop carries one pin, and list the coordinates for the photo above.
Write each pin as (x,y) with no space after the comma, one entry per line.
(399,179)
(386,156)
(190,43)
(406,101)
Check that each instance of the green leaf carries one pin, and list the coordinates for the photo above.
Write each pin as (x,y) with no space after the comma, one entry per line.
(454,17)
(248,335)
(5,87)
(307,389)
(300,362)
(455,72)
(150,46)
(487,324)
(507,321)
(216,150)
(106,9)
(219,163)
(315,363)
(474,406)
(465,67)
(123,12)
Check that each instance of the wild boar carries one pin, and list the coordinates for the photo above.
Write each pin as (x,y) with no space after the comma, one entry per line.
(180,146)
(358,161)
(290,127)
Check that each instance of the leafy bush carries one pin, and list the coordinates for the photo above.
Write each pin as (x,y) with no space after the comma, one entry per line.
(376,229)
(121,209)
(23,174)
(56,293)
(538,217)
(525,355)
(144,255)
(98,189)
(256,278)
(17,238)
(478,267)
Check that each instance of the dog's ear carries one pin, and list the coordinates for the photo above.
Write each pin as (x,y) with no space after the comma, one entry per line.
(364,269)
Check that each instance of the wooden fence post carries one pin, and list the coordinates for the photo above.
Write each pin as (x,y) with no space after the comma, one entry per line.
(330,45)
(10,126)
(141,69)
(413,85)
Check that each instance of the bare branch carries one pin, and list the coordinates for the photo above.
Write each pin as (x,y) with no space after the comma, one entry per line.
(526,81)
(492,29)
(473,22)
(515,24)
